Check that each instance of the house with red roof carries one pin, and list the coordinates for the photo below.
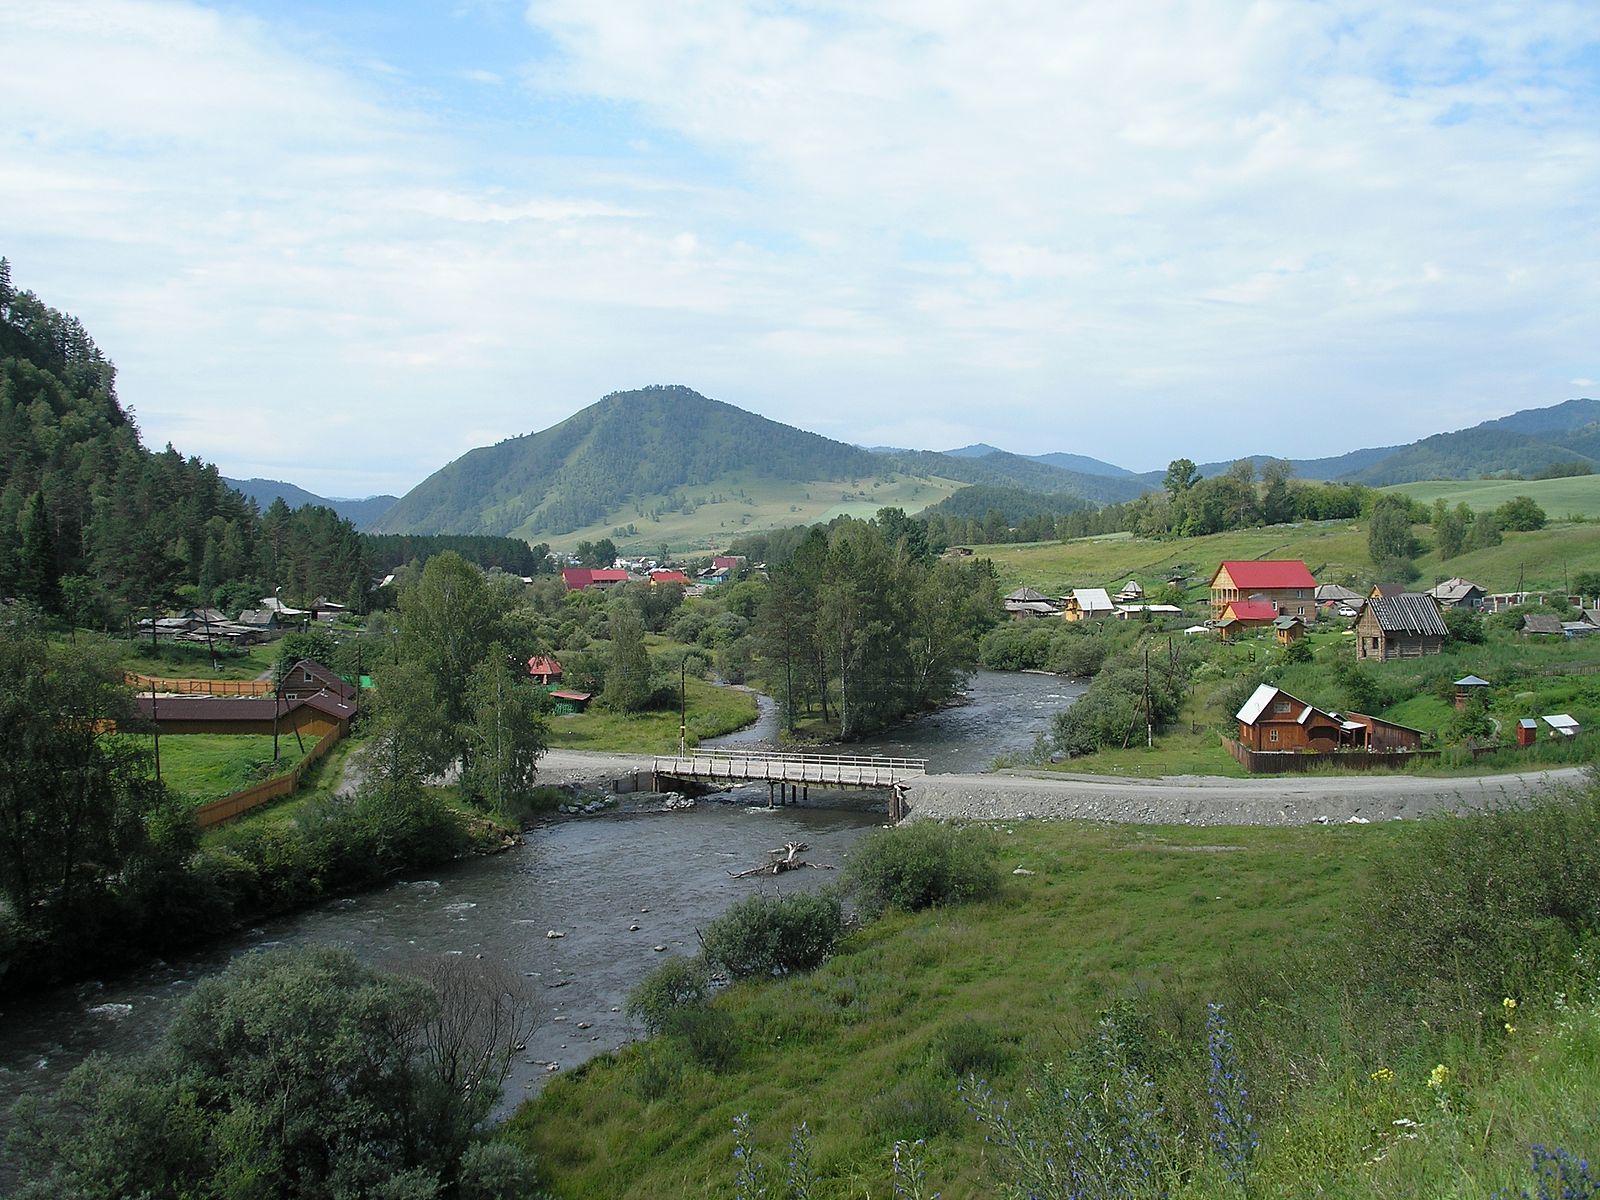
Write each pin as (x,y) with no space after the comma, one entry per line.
(1241,616)
(1285,583)
(668,576)
(579,579)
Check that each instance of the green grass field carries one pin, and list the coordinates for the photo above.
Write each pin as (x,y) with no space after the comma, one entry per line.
(712,710)
(765,504)
(1578,496)
(181,661)
(207,766)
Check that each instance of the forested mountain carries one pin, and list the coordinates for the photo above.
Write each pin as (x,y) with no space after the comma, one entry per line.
(1013,504)
(94,526)
(360,513)
(656,440)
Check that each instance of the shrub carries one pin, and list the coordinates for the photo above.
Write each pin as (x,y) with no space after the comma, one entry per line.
(709,1034)
(917,866)
(1485,906)
(659,1069)
(971,1047)
(676,984)
(916,1107)
(768,934)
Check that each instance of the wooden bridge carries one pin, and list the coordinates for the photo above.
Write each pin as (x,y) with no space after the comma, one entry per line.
(789,776)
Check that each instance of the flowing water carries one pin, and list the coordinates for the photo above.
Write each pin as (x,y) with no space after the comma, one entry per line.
(590,879)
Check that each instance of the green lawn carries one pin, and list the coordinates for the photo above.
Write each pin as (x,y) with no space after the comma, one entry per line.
(207,766)
(182,661)
(712,710)
(1560,498)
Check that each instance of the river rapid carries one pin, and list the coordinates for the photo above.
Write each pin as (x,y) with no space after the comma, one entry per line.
(590,879)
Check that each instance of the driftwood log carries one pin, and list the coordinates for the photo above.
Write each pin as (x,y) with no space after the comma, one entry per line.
(785,858)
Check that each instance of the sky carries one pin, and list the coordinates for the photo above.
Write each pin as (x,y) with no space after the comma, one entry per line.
(341,243)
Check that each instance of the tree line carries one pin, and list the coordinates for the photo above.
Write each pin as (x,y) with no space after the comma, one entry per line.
(95,528)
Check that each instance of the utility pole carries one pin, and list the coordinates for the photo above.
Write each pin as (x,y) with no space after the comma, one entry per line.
(277,702)
(156,726)
(683,707)
(1149,726)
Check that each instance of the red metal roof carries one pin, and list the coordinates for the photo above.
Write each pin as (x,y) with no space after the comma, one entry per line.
(668,577)
(578,696)
(1246,610)
(1267,573)
(578,578)
(540,665)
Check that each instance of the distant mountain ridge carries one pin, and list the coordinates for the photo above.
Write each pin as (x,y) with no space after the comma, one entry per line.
(360,513)
(659,440)
(646,451)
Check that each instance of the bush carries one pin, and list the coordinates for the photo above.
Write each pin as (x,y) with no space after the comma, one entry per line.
(676,984)
(916,1107)
(1485,905)
(659,1069)
(767,934)
(971,1047)
(709,1035)
(926,863)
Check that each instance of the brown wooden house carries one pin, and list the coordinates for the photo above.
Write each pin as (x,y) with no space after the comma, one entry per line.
(1403,626)
(1272,719)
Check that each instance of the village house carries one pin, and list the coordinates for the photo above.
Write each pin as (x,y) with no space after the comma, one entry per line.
(1088,604)
(1241,616)
(580,579)
(1331,594)
(308,677)
(1542,624)
(664,575)
(1285,583)
(1403,626)
(1025,603)
(1131,592)
(1273,720)
(1458,593)
(1129,612)
(315,716)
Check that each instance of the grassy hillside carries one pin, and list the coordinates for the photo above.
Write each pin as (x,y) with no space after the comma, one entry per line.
(738,503)
(1577,496)
(1393,1070)
(1336,552)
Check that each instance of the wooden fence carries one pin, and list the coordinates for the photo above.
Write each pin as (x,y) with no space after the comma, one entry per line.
(198,687)
(1279,762)
(254,796)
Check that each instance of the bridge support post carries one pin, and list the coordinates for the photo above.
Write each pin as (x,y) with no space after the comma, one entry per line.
(770,786)
(805,791)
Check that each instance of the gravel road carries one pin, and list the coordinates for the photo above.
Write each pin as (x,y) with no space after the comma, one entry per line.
(1180,800)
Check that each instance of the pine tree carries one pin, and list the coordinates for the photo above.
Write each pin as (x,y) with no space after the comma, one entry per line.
(38,576)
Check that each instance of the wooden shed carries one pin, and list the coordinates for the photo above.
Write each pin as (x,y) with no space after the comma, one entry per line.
(1403,626)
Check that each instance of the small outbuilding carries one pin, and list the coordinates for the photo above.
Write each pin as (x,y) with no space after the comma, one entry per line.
(1527,731)
(1562,725)
(1542,625)
(544,670)
(1288,629)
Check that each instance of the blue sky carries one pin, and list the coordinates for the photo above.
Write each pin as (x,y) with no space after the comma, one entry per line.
(343,243)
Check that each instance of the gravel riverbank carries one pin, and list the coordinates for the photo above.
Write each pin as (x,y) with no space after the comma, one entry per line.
(1181,800)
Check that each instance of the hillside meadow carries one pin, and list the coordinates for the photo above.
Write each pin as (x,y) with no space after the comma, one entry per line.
(1576,496)
(1335,551)
(742,502)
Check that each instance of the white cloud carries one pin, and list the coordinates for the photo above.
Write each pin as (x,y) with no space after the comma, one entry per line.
(1078,228)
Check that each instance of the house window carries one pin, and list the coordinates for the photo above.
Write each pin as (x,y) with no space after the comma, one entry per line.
(308,677)
(1280,706)
(1272,735)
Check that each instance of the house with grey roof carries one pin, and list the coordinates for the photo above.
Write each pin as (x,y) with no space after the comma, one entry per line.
(1407,625)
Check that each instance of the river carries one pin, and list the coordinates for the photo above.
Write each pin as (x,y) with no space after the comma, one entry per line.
(590,879)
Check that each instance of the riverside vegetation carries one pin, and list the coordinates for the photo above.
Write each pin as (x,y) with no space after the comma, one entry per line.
(1365,1011)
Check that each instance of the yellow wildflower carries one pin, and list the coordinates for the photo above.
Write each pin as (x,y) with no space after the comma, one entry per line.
(1381,1075)
(1508,1004)
(1510,1028)
(1439,1076)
